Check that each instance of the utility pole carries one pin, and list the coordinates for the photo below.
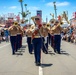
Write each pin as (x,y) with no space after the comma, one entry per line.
(55,10)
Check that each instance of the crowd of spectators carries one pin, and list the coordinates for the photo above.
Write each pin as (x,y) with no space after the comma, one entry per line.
(70,34)
(4,35)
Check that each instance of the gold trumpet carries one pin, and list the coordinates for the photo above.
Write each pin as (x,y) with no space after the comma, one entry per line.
(15,23)
(48,26)
(61,23)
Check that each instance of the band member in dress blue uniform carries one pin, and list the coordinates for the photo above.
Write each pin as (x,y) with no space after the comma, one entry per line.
(52,35)
(29,40)
(13,37)
(37,40)
(49,36)
(57,36)
(48,31)
(52,39)
(45,29)
(19,36)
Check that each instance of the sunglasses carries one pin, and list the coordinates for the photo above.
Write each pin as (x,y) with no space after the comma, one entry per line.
(52,21)
(56,22)
(37,19)
(44,24)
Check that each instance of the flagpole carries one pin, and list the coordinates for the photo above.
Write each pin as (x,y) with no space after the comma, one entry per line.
(55,10)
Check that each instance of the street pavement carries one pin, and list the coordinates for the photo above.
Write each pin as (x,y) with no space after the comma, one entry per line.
(52,63)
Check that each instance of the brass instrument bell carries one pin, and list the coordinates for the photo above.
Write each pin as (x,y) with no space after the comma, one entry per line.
(15,23)
(48,24)
(61,23)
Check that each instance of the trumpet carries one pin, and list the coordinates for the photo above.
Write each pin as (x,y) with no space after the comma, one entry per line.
(15,23)
(61,23)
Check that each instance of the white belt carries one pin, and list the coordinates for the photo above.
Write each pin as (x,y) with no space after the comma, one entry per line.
(14,35)
(29,36)
(57,34)
(18,33)
(37,37)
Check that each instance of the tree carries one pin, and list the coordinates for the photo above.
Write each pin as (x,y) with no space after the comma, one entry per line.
(24,14)
(25,7)
(21,2)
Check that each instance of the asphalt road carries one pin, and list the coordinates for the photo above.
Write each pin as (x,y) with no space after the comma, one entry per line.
(51,64)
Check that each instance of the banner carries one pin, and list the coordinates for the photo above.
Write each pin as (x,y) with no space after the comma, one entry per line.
(39,13)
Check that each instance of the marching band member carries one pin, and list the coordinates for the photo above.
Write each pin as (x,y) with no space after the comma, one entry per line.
(13,36)
(29,39)
(45,38)
(19,36)
(52,35)
(49,35)
(56,29)
(52,38)
(37,40)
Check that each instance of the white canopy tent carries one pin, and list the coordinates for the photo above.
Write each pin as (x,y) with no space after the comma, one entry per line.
(65,23)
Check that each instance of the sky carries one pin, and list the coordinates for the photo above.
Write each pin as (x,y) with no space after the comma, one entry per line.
(47,7)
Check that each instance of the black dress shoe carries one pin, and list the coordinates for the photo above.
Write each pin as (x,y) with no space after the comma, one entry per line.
(46,52)
(59,53)
(43,51)
(38,64)
(13,53)
(55,50)
(30,52)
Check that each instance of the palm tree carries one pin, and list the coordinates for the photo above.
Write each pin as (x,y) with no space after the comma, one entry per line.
(24,14)
(25,7)
(21,1)
(26,11)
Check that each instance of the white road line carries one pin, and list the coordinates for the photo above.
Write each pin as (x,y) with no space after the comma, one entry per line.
(40,68)
(24,43)
(4,45)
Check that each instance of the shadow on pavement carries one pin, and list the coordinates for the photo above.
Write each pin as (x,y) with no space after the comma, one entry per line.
(46,65)
(50,52)
(21,50)
(19,53)
(62,53)
(65,53)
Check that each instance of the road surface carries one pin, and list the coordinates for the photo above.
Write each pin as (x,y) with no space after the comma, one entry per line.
(51,64)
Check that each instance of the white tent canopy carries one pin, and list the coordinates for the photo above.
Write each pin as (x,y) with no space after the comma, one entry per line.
(65,24)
